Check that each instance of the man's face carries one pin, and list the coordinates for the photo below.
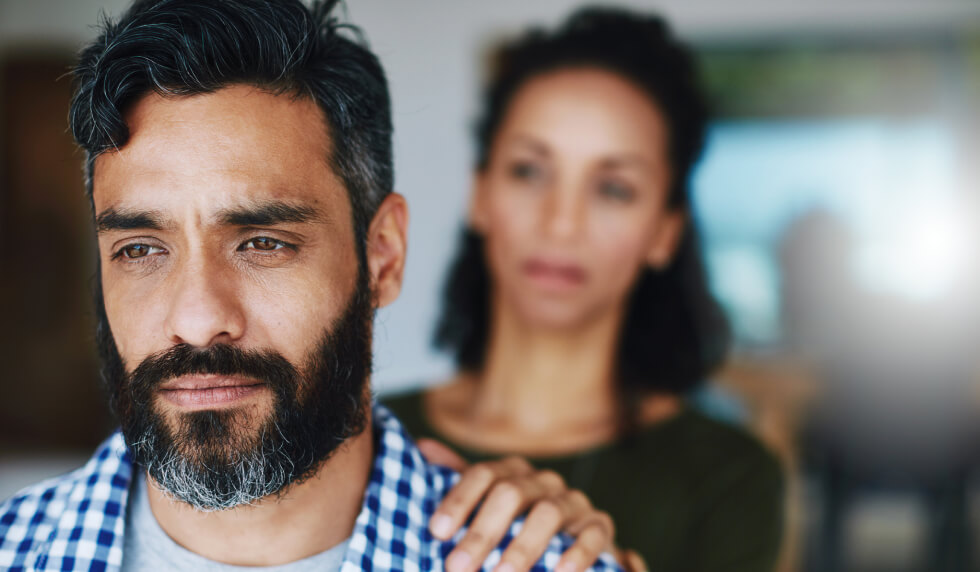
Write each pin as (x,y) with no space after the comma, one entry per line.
(232,290)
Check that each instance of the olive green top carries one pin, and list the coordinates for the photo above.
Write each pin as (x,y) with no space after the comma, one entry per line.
(689,494)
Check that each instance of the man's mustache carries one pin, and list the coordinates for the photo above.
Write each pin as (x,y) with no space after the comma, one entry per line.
(267,366)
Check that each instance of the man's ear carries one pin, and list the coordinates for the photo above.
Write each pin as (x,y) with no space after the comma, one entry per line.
(665,239)
(387,247)
(476,215)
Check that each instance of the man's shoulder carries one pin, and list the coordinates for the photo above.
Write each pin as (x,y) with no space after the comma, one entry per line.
(439,480)
(85,507)
(402,498)
(558,545)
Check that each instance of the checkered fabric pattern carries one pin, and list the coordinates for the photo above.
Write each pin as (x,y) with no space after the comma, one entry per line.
(77,522)
(74,522)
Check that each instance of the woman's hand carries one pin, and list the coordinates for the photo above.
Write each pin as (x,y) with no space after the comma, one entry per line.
(508,488)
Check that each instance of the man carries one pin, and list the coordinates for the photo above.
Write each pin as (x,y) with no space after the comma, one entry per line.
(239,170)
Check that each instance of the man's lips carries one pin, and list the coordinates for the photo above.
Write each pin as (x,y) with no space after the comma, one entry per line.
(209,391)
(208,381)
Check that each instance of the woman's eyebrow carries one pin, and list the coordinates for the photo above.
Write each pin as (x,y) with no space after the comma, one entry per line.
(626,160)
(529,142)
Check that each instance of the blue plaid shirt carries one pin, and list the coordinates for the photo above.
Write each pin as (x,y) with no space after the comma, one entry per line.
(77,521)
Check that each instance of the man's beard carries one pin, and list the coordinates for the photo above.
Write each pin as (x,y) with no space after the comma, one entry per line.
(217,459)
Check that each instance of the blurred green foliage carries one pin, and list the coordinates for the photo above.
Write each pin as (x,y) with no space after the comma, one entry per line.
(905,77)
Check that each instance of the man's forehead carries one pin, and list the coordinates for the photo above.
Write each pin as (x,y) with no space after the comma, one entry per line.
(239,124)
(225,149)
(243,105)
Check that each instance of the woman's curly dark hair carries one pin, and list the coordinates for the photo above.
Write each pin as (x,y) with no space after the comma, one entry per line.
(674,333)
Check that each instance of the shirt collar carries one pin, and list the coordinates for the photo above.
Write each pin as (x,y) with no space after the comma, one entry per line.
(390,532)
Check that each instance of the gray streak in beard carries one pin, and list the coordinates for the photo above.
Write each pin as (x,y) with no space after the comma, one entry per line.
(263,471)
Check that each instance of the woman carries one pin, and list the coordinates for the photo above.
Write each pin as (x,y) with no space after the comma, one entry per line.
(578,309)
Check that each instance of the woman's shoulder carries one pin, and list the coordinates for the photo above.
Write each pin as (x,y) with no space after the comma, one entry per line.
(699,481)
(714,433)
(701,446)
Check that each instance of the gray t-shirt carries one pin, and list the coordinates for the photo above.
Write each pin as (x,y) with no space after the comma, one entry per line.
(147,546)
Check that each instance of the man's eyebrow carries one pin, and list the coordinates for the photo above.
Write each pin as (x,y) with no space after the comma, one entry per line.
(112,219)
(267,214)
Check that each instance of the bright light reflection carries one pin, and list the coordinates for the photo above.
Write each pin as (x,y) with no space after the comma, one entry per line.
(920,255)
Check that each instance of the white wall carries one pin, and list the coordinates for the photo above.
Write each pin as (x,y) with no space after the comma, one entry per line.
(430,49)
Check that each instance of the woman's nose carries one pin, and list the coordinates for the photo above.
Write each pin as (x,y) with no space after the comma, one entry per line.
(563,214)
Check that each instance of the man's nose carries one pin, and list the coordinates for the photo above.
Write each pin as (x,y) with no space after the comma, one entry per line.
(205,308)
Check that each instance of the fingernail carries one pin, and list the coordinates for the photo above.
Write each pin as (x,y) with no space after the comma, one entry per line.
(441,524)
(566,567)
(505,567)
(458,562)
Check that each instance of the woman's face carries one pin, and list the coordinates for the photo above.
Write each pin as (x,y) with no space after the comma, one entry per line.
(573,200)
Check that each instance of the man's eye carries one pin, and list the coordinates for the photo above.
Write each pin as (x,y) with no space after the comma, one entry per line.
(263,243)
(134,251)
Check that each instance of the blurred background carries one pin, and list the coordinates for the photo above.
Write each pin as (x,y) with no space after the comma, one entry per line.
(839,200)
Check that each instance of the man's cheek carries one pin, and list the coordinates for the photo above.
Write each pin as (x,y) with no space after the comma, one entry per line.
(132,348)
(290,329)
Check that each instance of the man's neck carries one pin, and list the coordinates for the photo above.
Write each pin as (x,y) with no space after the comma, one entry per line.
(310,517)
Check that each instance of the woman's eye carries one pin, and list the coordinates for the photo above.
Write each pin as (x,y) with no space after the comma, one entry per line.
(615,191)
(263,243)
(526,171)
(134,251)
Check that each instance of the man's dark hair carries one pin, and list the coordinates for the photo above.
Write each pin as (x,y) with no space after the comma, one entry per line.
(674,332)
(187,47)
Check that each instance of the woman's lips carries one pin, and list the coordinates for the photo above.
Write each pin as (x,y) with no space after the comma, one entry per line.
(554,275)
(209,391)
